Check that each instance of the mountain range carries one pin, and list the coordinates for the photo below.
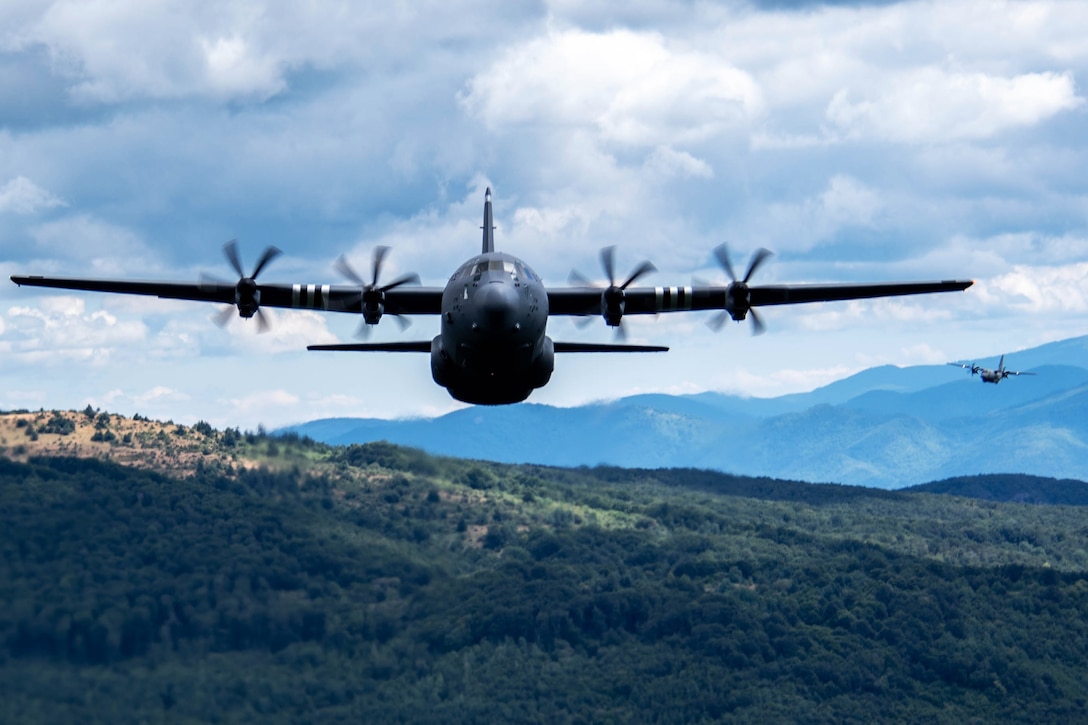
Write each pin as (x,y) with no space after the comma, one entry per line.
(885,427)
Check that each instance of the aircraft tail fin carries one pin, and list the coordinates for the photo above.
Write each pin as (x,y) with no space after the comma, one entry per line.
(489,226)
(1001,364)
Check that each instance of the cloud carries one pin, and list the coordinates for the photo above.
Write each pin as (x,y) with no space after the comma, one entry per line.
(23,196)
(847,201)
(665,162)
(241,52)
(631,88)
(289,331)
(892,312)
(961,256)
(162,49)
(91,246)
(844,203)
(920,354)
(233,69)
(765,383)
(156,396)
(263,401)
(1040,289)
(933,105)
(60,329)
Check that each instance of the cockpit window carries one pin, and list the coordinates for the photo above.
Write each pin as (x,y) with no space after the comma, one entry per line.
(524,272)
(461,271)
(495,265)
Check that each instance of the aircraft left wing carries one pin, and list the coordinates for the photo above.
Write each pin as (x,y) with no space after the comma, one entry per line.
(735,297)
(333,298)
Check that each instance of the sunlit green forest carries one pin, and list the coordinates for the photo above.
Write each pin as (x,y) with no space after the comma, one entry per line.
(379,584)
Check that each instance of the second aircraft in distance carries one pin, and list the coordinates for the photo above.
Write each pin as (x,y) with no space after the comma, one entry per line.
(988,375)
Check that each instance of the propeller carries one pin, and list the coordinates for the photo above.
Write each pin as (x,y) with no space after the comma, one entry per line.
(738,297)
(247,293)
(613,297)
(372,297)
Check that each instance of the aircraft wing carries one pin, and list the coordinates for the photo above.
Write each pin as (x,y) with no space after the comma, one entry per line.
(425,346)
(334,298)
(652,300)
(798,294)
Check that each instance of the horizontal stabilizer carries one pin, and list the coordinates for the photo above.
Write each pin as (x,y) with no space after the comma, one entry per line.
(423,346)
(594,347)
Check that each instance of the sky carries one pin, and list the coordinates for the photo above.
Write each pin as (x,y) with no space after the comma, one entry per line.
(873,142)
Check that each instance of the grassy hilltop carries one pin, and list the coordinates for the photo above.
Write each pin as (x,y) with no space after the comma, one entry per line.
(161,573)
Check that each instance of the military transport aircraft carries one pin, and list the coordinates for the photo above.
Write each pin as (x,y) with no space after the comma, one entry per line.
(492,347)
(990,376)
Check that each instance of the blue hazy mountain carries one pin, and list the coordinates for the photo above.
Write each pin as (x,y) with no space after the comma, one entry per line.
(886,426)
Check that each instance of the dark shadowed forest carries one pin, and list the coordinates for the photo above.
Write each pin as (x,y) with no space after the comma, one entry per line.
(288,581)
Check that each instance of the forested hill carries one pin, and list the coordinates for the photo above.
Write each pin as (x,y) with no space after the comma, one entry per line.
(237,577)
(1019,488)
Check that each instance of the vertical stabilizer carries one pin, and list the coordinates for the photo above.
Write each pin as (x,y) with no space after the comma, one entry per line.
(1001,364)
(489,226)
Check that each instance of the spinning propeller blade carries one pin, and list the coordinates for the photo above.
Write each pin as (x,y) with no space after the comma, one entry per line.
(738,297)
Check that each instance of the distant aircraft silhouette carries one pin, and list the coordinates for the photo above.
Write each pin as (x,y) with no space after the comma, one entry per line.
(990,376)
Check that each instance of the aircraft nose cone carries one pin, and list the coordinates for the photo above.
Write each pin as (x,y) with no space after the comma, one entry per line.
(498,305)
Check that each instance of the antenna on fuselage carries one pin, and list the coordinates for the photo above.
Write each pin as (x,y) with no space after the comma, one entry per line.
(489,226)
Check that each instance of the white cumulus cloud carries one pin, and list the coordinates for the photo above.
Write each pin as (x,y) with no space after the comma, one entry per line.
(1039,289)
(632,88)
(23,196)
(264,400)
(234,69)
(91,244)
(156,395)
(60,329)
(844,202)
(933,105)
(289,331)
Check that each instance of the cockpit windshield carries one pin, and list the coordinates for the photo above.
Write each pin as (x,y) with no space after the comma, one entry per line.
(494,265)
(515,269)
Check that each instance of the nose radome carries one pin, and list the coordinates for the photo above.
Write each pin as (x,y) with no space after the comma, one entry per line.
(498,307)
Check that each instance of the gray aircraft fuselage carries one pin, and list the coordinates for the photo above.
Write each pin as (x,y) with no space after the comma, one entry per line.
(492,348)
